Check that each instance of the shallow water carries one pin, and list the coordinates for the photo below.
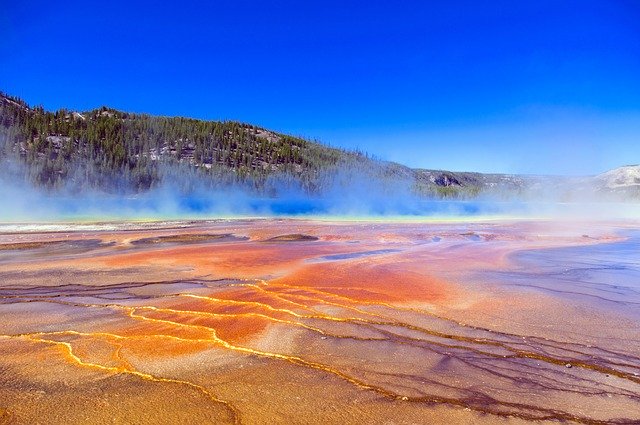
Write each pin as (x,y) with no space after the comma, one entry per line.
(350,255)
(604,274)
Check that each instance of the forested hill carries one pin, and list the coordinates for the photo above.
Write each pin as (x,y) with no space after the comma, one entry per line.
(105,143)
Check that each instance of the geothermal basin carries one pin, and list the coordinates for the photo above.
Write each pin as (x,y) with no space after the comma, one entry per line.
(298,321)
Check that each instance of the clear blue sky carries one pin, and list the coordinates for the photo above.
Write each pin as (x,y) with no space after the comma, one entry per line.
(504,86)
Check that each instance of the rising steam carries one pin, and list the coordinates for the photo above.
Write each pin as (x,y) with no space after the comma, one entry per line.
(347,189)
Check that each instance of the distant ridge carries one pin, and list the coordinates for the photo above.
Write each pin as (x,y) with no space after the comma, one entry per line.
(622,177)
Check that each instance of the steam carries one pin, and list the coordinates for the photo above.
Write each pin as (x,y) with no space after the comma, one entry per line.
(187,193)
(350,188)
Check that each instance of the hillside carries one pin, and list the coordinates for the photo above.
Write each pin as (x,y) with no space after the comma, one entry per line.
(113,150)
(627,177)
(106,143)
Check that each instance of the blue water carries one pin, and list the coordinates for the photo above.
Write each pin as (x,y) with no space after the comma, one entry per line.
(607,274)
(319,206)
(351,255)
(224,204)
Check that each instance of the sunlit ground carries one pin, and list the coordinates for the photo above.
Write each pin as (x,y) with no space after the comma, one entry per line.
(331,321)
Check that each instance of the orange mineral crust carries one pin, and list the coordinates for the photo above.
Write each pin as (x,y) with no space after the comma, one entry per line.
(294,321)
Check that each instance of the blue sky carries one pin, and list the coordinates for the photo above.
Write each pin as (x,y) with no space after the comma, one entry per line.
(494,86)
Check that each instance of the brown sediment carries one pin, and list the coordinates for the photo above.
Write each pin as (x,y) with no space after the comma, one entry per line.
(78,243)
(252,330)
(5,416)
(26,245)
(292,237)
(188,238)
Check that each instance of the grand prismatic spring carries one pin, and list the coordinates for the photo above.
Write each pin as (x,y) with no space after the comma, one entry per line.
(300,321)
